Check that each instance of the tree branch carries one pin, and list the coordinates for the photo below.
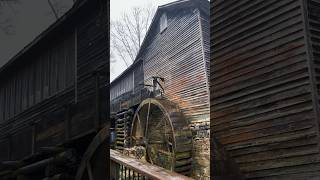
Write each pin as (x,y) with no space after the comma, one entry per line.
(127,33)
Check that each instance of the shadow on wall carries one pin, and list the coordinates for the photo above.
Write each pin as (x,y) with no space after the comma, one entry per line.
(222,166)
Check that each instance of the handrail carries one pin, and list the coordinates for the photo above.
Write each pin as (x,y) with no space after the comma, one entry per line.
(125,167)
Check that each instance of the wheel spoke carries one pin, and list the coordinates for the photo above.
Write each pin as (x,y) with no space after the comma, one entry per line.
(139,125)
(165,136)
(155,128)
(138,131)
(147,123)
(89,169)
(158,135)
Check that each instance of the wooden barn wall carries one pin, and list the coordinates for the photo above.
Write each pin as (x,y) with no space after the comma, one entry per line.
(262,107)
(91,52)
(33,100)
(313,28)
(4,149)
(48,127)
(177,55)
(126,86)
(138,77)
(32,91)
(205,28)
(51,72)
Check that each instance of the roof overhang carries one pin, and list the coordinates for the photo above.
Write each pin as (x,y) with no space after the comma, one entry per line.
(46,35)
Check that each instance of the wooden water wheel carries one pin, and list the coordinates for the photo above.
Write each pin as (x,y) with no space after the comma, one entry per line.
(94,164)
(160,127)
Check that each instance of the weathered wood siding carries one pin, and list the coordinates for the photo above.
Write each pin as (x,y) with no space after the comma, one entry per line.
(51,71)
(312,17)
(31,90)
(124,86)
(178,55)
(205,28)
(92,50)
(127,86)
(47,96)
(131,81)
(92,55)
(263,100)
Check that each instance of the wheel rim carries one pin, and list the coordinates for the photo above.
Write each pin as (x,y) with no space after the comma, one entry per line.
(157,124)
(93,164)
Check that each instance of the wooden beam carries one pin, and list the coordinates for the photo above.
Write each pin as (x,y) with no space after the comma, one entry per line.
(144,168)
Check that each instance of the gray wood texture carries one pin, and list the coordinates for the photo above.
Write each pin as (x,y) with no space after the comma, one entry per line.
(264,86)
(38,86)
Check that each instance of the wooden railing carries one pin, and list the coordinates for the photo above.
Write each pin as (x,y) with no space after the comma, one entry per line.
(124,167)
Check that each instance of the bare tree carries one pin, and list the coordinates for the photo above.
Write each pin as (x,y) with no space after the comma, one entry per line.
(127,33)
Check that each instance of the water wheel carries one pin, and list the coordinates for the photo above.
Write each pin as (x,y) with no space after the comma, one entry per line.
(159,126)
(94,164)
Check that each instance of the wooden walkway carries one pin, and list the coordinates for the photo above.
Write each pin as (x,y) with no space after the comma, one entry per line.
(142,168)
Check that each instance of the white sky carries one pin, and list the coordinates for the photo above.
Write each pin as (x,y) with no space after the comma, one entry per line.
(29,18)
(117,7)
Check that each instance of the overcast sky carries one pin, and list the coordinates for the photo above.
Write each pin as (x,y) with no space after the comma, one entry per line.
(117,8)
(29,18)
